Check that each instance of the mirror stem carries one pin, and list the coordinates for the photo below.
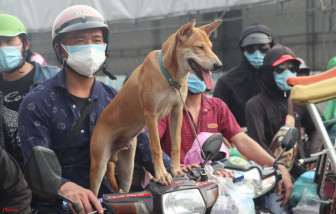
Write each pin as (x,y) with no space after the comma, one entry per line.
(277,158)
(77,207)
(204,176)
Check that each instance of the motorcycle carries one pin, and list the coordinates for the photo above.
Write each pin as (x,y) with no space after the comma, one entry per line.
(43,174)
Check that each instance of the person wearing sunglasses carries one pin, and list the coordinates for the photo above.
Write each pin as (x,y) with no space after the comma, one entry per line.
(242,82)
(266,112)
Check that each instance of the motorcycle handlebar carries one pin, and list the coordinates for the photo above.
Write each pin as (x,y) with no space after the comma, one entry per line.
(306,161)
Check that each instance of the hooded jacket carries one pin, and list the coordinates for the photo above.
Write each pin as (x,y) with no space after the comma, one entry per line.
(241,83)
(266,112)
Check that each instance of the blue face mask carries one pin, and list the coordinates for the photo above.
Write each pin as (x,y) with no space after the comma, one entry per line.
(256,59)
(195,85)
(74,48)
(10,58)
(280,79)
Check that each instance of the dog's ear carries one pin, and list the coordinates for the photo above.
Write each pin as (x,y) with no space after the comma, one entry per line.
(185,31)
(209,28)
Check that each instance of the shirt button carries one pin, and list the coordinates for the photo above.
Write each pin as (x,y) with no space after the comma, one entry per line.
(73,106)
(82,131)
(205,110)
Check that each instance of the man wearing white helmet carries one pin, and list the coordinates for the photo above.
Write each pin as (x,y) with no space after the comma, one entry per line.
(49,113)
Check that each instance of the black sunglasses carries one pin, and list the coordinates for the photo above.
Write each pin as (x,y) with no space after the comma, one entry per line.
(280,68)
(263,48)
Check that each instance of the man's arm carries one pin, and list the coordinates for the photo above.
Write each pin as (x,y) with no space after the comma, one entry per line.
(33,125)
(314,140)
(143,155)
(253,151)
(34,130)
(255,115)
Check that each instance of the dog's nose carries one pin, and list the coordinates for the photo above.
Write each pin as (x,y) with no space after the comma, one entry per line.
(217,65)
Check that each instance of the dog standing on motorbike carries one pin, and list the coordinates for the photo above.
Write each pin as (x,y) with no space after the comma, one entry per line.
(212,115)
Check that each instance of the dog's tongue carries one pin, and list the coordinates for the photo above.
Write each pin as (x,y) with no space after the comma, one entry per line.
(207,79)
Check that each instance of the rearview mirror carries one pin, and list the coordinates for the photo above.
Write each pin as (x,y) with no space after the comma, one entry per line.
(290,138)
(212,146)
(43,175)
(43,172)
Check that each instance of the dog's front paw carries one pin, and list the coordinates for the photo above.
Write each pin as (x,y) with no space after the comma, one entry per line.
(164,178)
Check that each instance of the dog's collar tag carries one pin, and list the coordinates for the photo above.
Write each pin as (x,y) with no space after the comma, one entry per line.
(167,74)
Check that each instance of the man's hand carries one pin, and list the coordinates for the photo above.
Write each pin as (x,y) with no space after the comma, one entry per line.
(150,176)
(286,183)
(189,167)
(219,172)
(223,173)
(83,196)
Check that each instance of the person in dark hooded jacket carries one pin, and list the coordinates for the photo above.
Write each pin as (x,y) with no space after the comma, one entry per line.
(266,112)
(242,82)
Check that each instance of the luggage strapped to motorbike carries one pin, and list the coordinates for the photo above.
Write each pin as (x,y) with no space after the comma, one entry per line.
(288,157)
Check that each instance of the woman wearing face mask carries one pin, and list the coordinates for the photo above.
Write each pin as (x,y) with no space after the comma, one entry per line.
(266,112)
(17,78)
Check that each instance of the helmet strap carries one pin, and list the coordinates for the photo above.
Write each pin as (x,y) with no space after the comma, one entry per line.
(24,55)
(111,76)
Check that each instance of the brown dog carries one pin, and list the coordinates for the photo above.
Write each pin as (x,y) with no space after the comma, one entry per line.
(147,97)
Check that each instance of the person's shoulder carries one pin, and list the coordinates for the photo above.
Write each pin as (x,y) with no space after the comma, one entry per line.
(257,99)
(215,101)
(46,70)
(233,72)
(43,90)
(229,78)
(106,88)
(50,69)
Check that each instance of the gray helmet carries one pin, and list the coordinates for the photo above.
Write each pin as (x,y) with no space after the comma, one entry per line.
(256,38)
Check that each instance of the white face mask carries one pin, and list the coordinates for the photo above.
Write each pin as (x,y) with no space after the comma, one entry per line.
(85,59)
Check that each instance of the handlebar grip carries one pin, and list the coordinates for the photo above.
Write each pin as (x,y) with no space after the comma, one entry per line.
(77,207)
(196,172)
(305,161)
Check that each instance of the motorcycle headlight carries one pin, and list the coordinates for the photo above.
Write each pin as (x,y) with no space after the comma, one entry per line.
(184,201)
(259,186)
(267,183)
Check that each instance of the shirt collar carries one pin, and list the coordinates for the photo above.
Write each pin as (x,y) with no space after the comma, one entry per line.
(204,102)
(60,83)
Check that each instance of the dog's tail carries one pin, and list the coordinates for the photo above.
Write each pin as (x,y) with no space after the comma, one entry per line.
(111,176)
